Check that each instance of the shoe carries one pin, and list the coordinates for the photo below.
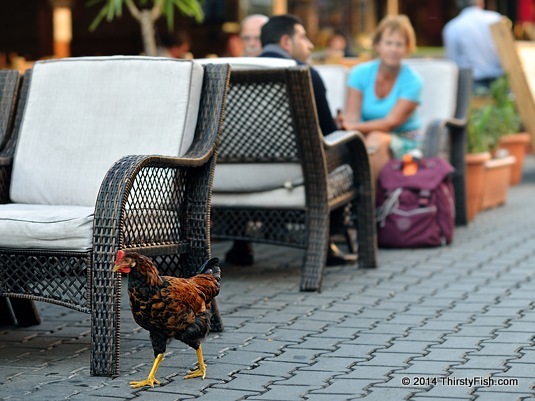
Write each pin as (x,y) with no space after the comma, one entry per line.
(241,254)
(336,257)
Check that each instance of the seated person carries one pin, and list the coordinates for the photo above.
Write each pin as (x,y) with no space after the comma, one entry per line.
(383,95)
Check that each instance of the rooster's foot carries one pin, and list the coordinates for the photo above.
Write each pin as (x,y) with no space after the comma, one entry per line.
(149,381)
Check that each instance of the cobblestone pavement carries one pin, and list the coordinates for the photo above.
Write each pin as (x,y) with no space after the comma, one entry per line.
(453,323)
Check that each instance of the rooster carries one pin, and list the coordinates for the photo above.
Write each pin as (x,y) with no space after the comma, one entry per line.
(170,307)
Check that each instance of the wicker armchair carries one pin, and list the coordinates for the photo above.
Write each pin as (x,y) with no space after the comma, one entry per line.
(444,112)
(444,109)
(120,151)
(278,178)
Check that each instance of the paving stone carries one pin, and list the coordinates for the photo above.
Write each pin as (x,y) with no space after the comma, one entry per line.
(455,341)
(369,372)
(517,370)
(224,395)
(503,336)
(502,396)
(345,389)
(426,368)
(492,348)
(354,349)
(336,332)
(316,343)
(377,393)
(271,369)
(442,355)
(336,365)
(392,359)
(284,393)
(407,347)
(303,356)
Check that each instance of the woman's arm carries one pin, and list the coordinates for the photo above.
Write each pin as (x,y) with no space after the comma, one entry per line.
(353,108)
(400,113)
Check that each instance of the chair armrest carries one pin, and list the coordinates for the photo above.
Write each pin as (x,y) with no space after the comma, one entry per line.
(340,137)
(138,185)
(456,122)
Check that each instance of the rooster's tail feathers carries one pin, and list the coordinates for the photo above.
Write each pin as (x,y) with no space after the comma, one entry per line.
(211,266)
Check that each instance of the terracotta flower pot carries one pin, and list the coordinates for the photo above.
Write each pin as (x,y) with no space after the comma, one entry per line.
(475,181)
(516,145)
(497,178)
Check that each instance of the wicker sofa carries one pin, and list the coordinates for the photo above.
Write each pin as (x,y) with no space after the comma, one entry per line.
(278,179)
(107,153)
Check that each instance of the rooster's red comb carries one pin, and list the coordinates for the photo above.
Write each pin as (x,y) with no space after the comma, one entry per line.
(120,255)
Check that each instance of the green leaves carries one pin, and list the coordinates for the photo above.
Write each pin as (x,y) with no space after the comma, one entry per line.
(495,119)
(112,9)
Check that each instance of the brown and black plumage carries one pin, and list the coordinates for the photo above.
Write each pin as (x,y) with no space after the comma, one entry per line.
(170,307)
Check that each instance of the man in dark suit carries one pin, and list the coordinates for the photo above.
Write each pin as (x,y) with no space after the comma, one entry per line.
(284,36)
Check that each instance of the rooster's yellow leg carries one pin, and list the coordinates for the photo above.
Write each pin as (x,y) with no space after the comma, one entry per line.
(201,370)
(151,379)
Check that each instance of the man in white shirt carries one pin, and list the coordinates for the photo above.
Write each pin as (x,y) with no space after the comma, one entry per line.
(468,42)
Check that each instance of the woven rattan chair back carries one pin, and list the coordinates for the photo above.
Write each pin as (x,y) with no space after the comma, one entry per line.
(258,124)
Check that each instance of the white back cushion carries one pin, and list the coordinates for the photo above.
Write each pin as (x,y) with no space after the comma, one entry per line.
(249,63)
(335,79)
(439,96)
(84,114)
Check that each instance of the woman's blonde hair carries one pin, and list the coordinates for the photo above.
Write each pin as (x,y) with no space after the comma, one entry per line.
(399,23)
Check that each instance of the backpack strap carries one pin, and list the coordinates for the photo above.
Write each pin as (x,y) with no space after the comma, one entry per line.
(390,204)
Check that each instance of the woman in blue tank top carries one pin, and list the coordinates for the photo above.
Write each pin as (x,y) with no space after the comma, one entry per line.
(384,93)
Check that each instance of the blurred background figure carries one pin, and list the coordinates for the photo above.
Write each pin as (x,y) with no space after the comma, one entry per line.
(250,34)
(235,46)
(468,42)
(176,45)
(337,48)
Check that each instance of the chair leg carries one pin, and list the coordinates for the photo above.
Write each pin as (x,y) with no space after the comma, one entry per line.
(315,254)
(367,234)
(216,323)
(21,312)
(105,319)
(25,312)
(7,317)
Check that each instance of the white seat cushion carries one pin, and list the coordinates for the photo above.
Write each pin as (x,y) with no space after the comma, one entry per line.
(253,177)
(289,196)
(67,228)
(439,95)
(84,114)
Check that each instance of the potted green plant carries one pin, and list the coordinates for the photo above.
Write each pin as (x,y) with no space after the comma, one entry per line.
(486,126)
(476,157)
(508,127)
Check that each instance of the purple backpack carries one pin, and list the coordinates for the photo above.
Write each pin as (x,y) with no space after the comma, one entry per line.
(415,210)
